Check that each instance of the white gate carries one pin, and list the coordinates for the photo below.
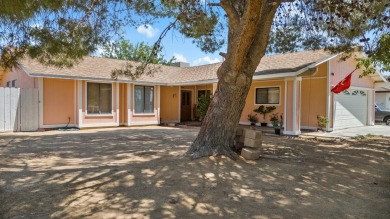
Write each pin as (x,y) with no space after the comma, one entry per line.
(18,109)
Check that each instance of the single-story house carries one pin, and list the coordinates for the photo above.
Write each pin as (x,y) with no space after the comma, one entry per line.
(297,84)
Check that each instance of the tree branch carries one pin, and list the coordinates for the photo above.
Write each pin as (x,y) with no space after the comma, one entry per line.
(232,14)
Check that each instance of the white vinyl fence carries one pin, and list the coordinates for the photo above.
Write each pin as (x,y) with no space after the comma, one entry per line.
(18,109)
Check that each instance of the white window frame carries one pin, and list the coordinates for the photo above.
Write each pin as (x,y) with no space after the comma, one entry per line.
(86,100)
(9,84)
(154,100)
(14,85)
(268,104)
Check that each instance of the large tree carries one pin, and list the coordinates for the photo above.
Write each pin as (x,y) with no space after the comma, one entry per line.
(62,32)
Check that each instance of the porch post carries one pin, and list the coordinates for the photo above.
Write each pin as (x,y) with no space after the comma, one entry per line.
(80,103)
(292,110)
(128,104)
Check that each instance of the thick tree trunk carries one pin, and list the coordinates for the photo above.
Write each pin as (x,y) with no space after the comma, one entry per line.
(218,127)
(249,28)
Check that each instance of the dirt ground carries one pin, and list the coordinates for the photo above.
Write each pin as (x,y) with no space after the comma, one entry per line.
(141,173)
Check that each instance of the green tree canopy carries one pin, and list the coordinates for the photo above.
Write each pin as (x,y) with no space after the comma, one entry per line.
(140,52)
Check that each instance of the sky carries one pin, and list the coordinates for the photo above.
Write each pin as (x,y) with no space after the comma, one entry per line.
(174,44)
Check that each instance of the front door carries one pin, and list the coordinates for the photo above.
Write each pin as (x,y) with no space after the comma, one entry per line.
(185,106)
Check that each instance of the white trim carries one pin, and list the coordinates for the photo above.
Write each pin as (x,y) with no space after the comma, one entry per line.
(158,103)
(278,75)
(40,106)
(89,125)
(285,104)
(371,105)
(192,101)
(86,100)
(294,116)
(117,102)
(59,126)
(98,115)
(144,123)
(328,97)
(154,100)
(80,103)
(75,101)
(143,114)
(268,104)
(193,83)
(257,124)
(128,104)
(291,132)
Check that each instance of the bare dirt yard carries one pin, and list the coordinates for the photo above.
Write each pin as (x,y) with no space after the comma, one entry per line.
(141,173)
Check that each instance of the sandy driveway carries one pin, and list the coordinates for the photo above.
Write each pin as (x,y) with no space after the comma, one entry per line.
(140,173)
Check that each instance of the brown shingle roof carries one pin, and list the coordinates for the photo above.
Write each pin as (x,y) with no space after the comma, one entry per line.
(94,68)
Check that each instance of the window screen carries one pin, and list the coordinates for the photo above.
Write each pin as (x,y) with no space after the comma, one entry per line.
(99,98)
(269,95)
(144,99)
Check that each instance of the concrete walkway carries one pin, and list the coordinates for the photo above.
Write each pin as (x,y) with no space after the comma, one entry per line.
(353,132)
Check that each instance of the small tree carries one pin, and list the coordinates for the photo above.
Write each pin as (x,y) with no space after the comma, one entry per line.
(253,119)
(264,110)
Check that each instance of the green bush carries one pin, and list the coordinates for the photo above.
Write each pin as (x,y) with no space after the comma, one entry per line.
(203,105)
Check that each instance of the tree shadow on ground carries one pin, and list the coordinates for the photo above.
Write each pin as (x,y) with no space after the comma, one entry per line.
(141,173)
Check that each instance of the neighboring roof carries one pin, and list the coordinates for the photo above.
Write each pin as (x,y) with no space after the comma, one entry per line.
(95,68)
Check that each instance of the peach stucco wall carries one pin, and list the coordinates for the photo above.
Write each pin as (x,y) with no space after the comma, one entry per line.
(170,103)
(250,99)
(314,96)
(341,69)
(58,101)
(22,79)
(289,106)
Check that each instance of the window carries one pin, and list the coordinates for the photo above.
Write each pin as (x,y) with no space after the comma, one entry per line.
(8,83)
(14,83)
(144,99)
(203,92)
(99,98)
(269,95)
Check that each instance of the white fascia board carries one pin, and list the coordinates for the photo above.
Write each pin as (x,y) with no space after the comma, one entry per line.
(39,75)
(191,83)
(277,75)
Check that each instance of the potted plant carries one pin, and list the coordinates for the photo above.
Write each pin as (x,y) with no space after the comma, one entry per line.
(253,119)
(322,121)
(276,123)
(263,111)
